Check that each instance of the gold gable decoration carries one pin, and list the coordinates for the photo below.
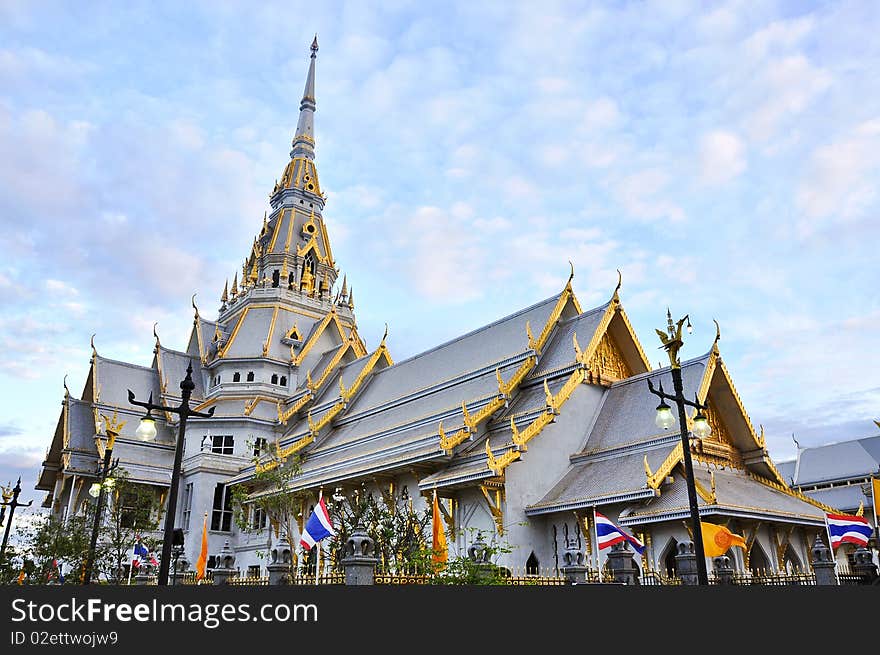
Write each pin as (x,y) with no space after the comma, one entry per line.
(607,361)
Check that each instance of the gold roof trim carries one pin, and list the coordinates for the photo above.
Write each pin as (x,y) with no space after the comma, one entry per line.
(330,317)
(792,492)
(276,230)
(655,479)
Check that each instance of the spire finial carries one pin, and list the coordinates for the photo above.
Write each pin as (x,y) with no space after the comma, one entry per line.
(304,140)
(92,342)
(196,309)
(616,294)
(717,332)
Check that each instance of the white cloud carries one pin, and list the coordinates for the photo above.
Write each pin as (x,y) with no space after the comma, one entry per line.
(722,157)
(784,87)
(641,195)
(841,179)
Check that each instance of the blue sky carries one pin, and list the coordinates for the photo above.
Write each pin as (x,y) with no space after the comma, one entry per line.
(724,156)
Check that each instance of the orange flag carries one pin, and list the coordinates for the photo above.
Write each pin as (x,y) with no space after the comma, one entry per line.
(439,542)
(203,555)
(717,539)
(21,577)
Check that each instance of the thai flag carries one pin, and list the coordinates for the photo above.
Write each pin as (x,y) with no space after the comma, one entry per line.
(608,534)
(847,529)
(140,554)
(317,527)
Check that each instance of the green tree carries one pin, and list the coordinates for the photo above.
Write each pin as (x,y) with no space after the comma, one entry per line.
(132,512)
(48,539)
(401,534)
(269,492)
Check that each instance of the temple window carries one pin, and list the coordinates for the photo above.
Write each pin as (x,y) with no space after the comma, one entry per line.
(236,377)
(250,376)
(259,446)
(222,444)
(283,380)
(532,565)
(276,277)
(221,514)
(274,378)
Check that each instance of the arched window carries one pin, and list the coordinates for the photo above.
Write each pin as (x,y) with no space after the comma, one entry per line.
(250,376)
(274,378)
(236,377)
(309,263)
(532,565)
(758,562)
(790,561)
(283,380)
(670,567)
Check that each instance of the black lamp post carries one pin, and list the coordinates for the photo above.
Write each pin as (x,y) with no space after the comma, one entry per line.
(146,431)
(672,343)
(10,500)
(112,428)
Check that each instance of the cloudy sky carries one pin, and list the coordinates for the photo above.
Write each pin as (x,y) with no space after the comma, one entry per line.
(724,156)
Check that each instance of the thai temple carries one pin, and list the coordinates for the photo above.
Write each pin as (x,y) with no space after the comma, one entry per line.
(524,427)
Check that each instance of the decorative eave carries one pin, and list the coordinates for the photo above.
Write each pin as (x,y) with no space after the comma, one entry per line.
(592,501)
(755,513)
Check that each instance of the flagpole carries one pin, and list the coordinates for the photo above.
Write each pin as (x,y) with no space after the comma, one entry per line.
(318,546)
(876,514)
(596,546)
(833,553)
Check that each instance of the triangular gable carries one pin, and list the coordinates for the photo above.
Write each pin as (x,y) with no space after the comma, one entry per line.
(332,318)
(614,352)
(732,430)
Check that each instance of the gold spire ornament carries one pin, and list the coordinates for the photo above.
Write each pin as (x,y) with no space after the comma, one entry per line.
(234,290)
(225,297)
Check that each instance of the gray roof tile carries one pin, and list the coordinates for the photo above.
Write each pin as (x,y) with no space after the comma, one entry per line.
(838,461)
(629,408)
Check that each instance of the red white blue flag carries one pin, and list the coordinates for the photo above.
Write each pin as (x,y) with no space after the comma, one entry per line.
(608,534)
(317,527)
(846,529)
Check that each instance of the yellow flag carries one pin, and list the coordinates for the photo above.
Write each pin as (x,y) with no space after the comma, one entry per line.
(202,562)
(717,539)
(439,542)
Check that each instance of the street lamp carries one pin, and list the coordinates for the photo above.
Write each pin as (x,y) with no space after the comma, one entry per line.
(672,343)
(10,500)
(147,431)
(112,427)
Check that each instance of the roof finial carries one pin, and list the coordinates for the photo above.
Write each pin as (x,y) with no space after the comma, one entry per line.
(304,139)
(382,343)
(66,390)
(571,275)
(616,294)
(193,301)
(92,342)
(156,334)
(717,333)
(797,445)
